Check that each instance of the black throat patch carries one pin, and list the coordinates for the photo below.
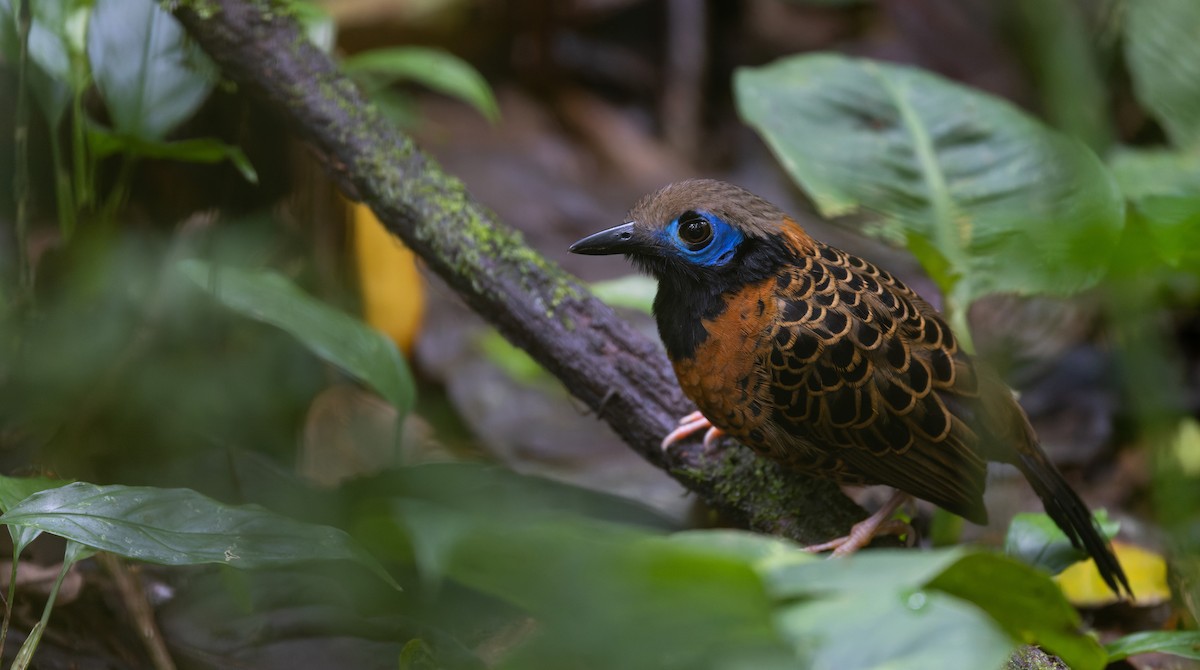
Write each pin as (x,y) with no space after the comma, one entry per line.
(686,299)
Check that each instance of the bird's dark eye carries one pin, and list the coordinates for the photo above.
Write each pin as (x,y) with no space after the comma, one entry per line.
(695,230)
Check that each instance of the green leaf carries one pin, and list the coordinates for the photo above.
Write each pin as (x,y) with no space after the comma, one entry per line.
(668,605)
(914,631)
(152,77)
(12,491)
(1008,204)
(1164,190)
(318,23)
(1164,62)
(631,292)
(335,336)
(1146,172)
(15,489)
(1026,603)
(104,142)
(56,65)
(515,362)
(437,69)
(705,599)
(1185,644)
(766,553)
(25,653)
(874,571)
(181,527)
(1036,540)
(1173,224)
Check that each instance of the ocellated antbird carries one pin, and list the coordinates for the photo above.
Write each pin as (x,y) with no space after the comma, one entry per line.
(828,364)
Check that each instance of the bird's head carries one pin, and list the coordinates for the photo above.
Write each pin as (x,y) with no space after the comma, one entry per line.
(700,231)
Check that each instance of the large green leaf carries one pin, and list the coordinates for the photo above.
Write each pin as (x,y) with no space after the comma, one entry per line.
(989,199)
(1164,61)
(883,570)
(333,335)
(615,596)
(906,582)
(151,76)
(861,630)
(605,596)
(442,71)
(180,527)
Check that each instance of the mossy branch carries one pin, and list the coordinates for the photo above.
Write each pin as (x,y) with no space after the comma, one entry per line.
(614,370)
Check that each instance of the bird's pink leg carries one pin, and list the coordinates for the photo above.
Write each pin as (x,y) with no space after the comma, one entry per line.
(864,531)
(690,425)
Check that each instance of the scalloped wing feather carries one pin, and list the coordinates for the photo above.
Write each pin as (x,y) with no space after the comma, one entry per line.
(864,371)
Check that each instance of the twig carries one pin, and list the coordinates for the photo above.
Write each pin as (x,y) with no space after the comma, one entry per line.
(139,608)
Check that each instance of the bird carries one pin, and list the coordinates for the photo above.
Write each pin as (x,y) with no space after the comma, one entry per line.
(828,364)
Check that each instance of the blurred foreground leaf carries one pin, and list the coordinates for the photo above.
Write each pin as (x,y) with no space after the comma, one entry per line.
(988,199)
(181,527)
(612,595)
(1027,604)
(335,336)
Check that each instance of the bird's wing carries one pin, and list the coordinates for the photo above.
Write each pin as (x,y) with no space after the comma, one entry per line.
(865,370)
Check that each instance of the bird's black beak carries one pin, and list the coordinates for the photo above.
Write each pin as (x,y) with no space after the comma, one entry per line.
(616,240)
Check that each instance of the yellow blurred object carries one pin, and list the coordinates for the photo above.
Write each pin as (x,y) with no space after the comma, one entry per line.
(1147,572)
(392,290)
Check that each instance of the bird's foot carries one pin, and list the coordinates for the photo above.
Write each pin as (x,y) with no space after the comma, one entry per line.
(689,425)
(879,523)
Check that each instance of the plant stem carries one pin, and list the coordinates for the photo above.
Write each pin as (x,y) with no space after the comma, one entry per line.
(8,599)
(64,196)
(956,309)
(120,191)
(21,187)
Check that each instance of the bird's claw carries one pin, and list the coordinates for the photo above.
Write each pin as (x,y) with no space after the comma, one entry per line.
(689,425)
(879,523)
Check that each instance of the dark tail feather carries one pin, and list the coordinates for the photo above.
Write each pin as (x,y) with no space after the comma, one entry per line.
(1073,517)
